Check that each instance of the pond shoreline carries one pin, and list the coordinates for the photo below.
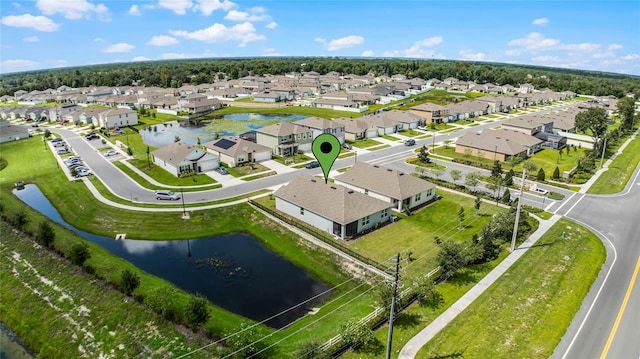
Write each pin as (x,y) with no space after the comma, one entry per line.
(12,346)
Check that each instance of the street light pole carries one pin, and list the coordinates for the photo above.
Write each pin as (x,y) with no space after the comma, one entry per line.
(515,225)
(604,147)
(184,211)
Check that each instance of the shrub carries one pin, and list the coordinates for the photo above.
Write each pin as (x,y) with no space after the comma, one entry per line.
(197,312)
(45,234)
(79,253)
(541,175)
(129,281)
(556,173)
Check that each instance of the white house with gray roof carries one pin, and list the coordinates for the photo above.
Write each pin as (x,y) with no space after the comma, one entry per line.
(398,189)
(179,157)
(330,207)
(235,151)
(320,125)
(285,139)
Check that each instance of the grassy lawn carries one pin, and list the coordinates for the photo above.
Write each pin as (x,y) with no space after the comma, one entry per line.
(347,154)
(366,143)
(260,175)
(619,172)
(418,231)
(146,184)
(531,305)
(414,161)
(450,152)
(410,133)
(72,201)
(298,158)
(167,178)
(390,138)
(249,169)
(50,329)
(549,159)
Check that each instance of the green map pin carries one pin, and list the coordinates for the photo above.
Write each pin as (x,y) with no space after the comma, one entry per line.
(326,148)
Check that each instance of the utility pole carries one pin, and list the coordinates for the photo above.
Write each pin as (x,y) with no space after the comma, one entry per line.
(515,225)
(394,294)
(184,211)
(604,147)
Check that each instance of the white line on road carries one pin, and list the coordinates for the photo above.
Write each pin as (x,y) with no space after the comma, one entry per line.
(615,257)
(565,202)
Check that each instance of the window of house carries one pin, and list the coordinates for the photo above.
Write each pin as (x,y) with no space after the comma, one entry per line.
(418,197)
(384,213)
(365,221)
(301,211)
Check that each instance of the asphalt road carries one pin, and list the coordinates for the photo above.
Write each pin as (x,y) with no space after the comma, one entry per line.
(593,332)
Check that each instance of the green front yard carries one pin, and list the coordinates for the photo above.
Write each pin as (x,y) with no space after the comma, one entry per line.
(527,311)
(366,143)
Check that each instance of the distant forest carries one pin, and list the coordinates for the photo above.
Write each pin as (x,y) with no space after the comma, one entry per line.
(175,73)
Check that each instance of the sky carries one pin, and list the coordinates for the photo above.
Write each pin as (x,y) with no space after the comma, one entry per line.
(593,35)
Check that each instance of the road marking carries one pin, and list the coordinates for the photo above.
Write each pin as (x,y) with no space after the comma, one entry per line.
(604,281)
(572,207)
(621,311)
(565,202)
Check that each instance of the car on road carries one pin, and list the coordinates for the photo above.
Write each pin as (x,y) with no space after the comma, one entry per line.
(312,164)
(221,170)
(91,136)
(540,191)
(110,153)
(166,194)
(410,142)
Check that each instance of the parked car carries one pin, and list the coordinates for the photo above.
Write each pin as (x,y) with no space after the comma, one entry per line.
(166,194)
(83,173)
(540,190)
(110,153)
(91,136)
(347,146)
(410,142)
(69,162)
(312,164)
(221,170)
(59,144)
(63,151)
(57,139)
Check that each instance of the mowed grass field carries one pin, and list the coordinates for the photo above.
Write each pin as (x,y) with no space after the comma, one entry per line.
(418,232)
(525,313)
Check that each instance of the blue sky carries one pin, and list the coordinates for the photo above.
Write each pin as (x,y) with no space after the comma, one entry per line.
(594,35)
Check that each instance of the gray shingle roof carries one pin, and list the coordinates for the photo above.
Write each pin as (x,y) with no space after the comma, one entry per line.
(178,152)
(509,142)
(385,181)
(331,201)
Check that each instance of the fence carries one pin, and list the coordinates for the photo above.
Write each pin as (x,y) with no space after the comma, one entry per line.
(321,236)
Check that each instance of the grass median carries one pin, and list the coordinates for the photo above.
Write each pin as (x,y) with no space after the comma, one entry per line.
(527,311)
(615,178)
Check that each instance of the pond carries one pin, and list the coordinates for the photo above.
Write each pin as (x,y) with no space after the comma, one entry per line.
(234,271)
(12,346)
(229,125)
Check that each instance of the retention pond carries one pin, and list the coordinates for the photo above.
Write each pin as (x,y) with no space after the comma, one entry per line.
(234,271)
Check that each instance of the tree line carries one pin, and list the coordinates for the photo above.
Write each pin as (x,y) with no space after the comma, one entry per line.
(175,73)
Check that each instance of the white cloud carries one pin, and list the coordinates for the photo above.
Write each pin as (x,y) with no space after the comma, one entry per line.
(39,23)
(98,39)
(134,10)
(631,57)
(254,14)
(180,7)
(209,6)
(271,52)
(176,55)
(31,39)
(119,47)
(163,40)
(469,55)
(535,42)
(341,43)
(583,47)
(540,21)
(244,33)
(271,25)
(140,58)
(367,53)
(613,47)
(17,65)
(422,48)
(72,9)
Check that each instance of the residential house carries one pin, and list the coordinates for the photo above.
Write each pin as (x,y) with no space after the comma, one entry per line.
(499,144)
(467,110)
(285,139)
(432,113)
(320,125)
(202,106)
(526,88)
(117,117)
(234,151)
(268,97)
(380,125)
(181,158)
(398,189)
(405,120)
(354,129)
(330,207)
(9,132)
(529,124)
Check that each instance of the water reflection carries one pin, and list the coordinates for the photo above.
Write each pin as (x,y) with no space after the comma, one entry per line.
(234,271)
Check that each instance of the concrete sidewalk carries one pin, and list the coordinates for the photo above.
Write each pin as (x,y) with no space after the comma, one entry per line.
(413,346)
